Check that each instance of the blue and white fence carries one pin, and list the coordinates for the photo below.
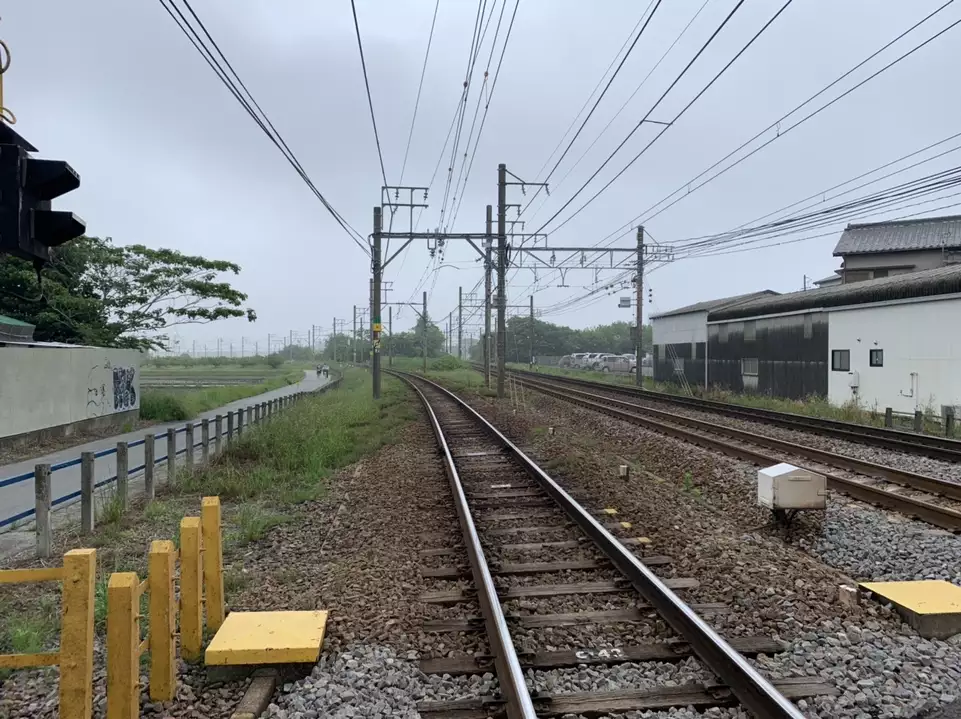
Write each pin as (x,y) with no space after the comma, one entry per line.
(41,512)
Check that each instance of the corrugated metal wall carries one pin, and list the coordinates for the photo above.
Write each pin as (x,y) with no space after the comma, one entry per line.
(791,352)
(692,356)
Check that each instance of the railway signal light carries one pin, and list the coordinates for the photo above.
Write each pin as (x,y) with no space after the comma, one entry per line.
(28,225)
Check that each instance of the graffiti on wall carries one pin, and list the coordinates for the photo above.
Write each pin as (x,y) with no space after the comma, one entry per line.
(124,392)
(97,389)
(124,380)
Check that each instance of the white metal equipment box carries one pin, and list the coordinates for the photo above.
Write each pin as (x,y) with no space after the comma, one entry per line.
(785,486)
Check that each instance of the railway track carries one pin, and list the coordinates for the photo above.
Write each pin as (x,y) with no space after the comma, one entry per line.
(925,445)
(540,564)
(917,495)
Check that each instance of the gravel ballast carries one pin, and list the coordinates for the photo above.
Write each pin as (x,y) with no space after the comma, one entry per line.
(700,508)
(370,681)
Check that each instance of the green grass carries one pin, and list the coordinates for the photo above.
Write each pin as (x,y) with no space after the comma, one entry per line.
(290,459)
(30,630)
(170,406)
(253,522)
(453,373)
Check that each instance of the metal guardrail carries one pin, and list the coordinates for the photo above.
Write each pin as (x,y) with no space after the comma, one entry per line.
(267,409)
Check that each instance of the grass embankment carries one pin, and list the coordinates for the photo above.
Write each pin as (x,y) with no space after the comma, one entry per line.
(261,479)
(165,405)
(457,375)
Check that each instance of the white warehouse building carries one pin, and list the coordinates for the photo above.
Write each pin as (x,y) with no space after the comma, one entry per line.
(891,342)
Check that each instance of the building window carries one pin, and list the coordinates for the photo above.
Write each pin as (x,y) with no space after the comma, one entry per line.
(808,326)
(722,334)
(750,331)
(877,358)
(749,366)
(841,360)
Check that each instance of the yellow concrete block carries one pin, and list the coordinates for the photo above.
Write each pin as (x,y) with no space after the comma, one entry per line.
(928,596)
(610,511)
(626,525)
(268,638)
(643,540)
(932,607)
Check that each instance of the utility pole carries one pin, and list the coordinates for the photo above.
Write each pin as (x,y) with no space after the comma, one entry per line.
(639,310)
(501,277)
(269,344)
(375,306)
(333,341)
(290,346)
(354,336)
(487,299)
(460,323)
(256,348)
(424,335)
(532,332)
(390,338)
(241,348)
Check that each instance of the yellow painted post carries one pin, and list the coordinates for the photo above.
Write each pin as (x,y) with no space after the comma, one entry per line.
(123,646)
(76,634)
(160,581)
(191,591)
(213,562)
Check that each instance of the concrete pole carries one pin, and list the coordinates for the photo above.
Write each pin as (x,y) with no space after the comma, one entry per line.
(487,298)
(639,310)
(375,306)
(501,277)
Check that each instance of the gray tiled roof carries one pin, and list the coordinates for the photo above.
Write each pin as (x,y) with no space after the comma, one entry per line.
(709,305)
(901,236)
(926,283)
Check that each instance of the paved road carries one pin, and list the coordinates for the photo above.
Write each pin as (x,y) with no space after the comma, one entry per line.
(18,498)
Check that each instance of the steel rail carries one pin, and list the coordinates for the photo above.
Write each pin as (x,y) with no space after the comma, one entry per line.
(754,692)
(510,675)
(931,513)
(927,445)
(913,480)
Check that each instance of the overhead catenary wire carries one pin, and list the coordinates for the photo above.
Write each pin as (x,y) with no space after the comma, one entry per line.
(249,103)
(637,37)
(669,124)
(480,99)
(490,94)
(420,87)
(624,106)
(476,39)
(687,188)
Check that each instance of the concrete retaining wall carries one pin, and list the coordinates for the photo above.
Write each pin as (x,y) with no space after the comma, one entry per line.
(59,390)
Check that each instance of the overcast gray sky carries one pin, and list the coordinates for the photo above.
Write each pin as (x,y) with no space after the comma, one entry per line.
(168,157)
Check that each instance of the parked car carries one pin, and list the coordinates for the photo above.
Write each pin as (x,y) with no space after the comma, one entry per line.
(565,361)
(613,363)
(579,360)
(588,360)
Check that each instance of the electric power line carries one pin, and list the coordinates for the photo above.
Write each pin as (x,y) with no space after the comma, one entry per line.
(249,103)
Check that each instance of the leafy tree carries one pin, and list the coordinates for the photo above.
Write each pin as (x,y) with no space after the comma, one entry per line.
(552,340)
(97,293)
